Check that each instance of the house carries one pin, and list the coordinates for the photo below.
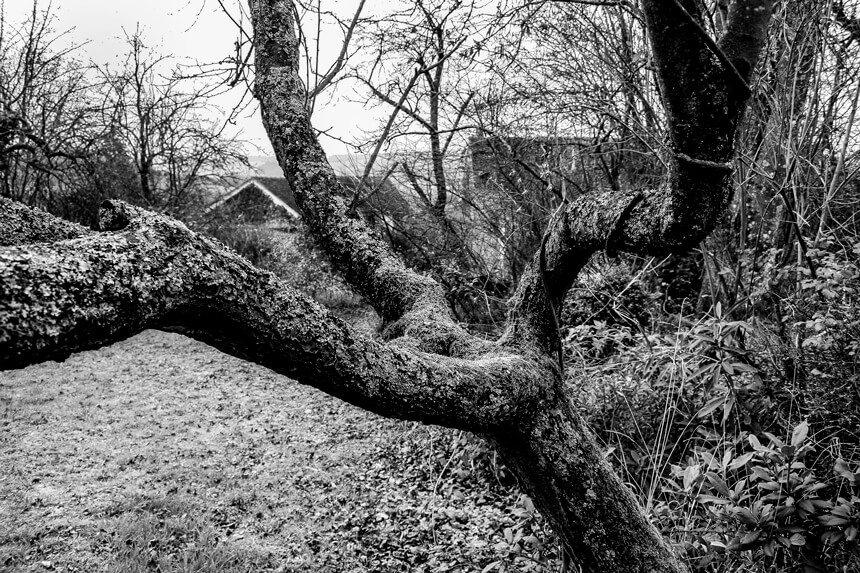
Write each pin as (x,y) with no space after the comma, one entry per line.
(270,200)
(257,200)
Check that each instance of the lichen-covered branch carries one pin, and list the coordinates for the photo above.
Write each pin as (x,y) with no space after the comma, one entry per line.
(364,260)
(144,270)
(20,224)
(147,271)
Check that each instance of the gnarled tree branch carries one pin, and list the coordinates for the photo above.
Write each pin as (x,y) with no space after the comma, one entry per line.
(148,271)
(398,294)
(20,224)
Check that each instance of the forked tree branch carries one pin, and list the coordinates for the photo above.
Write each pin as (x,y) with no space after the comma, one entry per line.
(401,296)
(337,66)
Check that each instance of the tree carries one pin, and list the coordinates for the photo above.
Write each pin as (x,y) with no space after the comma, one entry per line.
(46,117)
(71,134)
(418,66)
(160,120)
(65,288)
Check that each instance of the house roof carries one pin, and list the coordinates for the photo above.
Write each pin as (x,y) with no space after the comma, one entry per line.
(280,188)
(386,198)
(276,189)
(381,196)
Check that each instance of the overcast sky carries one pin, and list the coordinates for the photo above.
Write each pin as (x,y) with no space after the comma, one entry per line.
(193,30)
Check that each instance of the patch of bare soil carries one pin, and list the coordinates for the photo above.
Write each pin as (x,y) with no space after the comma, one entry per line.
(160,453)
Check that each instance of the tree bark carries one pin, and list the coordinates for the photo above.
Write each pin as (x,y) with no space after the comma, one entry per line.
(82,289)
(20,224)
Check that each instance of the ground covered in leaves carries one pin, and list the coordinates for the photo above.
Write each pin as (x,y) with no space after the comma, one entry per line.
(160,453)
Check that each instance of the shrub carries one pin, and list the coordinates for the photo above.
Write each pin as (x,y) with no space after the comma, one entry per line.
(774,505)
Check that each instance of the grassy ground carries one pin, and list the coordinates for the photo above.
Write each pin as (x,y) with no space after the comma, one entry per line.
(162,454)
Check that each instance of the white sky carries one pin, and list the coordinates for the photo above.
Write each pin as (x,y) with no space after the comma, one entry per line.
(191,30)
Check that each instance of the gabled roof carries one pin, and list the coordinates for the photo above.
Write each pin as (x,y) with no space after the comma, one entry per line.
(276,189)
(385,199)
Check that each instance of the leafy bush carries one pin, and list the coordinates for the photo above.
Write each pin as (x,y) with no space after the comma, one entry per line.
(645,395)
(691,419)
(756,506)
(825,321)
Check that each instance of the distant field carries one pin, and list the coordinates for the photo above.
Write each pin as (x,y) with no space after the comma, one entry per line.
(162,454)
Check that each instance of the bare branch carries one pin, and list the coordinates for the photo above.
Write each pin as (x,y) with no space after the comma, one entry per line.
(371,161)
(341,58)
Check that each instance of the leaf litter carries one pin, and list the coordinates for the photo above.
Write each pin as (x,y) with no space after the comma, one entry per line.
(160,453)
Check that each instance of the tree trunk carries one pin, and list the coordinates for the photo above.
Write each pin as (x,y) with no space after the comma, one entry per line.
(562,469)
(143,270)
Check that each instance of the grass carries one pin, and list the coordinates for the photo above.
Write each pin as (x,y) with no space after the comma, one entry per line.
(161,454)
(169,536)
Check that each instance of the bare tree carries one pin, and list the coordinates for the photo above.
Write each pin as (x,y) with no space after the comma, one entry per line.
(423,63)
(70,132)
(162,119)
(46,113)
(144,270)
